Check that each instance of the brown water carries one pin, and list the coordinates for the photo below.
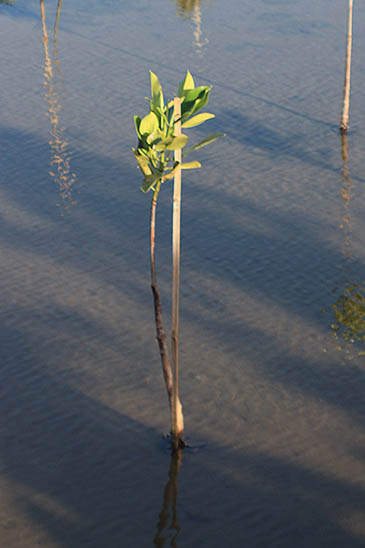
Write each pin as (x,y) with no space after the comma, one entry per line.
(272,249)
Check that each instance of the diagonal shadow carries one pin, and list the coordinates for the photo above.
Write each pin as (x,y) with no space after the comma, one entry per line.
(86,472)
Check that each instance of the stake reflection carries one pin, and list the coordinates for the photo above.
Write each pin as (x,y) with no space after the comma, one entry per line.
(168,526)
(60,156)
(346,194)
(349,308)
(190,9)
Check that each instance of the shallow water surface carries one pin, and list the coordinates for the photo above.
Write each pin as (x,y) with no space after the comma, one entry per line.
(272,280)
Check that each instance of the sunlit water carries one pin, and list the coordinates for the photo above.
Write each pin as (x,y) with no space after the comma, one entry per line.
(272,296)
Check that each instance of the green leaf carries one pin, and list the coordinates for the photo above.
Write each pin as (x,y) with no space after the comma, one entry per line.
(156,91)
(150,181)
(204,143)
(197,120)
(170,174)
(193,94)
(177,142)
(154,137)
(172,143)
(137,122)
(194,100)
(162,145)
(143,163)
(148,124)
(187,83)
(191,165)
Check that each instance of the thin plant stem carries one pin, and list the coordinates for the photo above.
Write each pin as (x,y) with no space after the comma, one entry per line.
(346,95)
(160,334)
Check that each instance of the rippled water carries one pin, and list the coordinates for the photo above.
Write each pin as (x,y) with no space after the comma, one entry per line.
(272,297)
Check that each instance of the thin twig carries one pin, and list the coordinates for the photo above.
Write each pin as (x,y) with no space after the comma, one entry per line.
(160,334)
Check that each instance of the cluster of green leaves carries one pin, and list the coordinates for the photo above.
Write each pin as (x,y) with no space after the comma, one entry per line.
(349,311)
(156,139)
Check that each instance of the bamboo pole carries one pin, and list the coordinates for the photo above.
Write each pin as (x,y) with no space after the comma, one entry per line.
(177,430)
(346,95)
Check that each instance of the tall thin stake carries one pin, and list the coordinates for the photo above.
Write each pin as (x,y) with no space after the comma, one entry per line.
(177,424)
(346,95)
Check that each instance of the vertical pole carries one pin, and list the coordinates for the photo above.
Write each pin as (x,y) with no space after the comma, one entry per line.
(346,95)
(177,426)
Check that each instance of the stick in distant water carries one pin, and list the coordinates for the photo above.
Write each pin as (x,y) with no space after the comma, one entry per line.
(346,96)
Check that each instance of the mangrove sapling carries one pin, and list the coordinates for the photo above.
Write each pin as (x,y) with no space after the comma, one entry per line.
(159,156)
(346,93)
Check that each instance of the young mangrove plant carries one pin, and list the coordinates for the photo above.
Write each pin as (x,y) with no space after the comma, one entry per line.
(159,156)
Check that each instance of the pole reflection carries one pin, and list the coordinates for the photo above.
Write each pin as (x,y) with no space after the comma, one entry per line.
(58,13)
(190,9)
(346,194)
(349,308)
(168,526)
(60,156)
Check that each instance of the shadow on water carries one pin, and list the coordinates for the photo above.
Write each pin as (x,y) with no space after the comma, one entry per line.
(192,9)
(87,475)
(76,472)
(261,137)
(244,253)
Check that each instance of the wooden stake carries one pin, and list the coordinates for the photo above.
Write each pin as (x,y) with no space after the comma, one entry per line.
(346,96)
(177,430)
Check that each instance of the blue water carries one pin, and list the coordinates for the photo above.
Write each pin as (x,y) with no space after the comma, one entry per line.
(272,249)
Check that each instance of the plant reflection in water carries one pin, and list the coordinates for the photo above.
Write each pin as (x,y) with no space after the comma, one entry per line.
(60,155)
(168,526)
(349,308)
